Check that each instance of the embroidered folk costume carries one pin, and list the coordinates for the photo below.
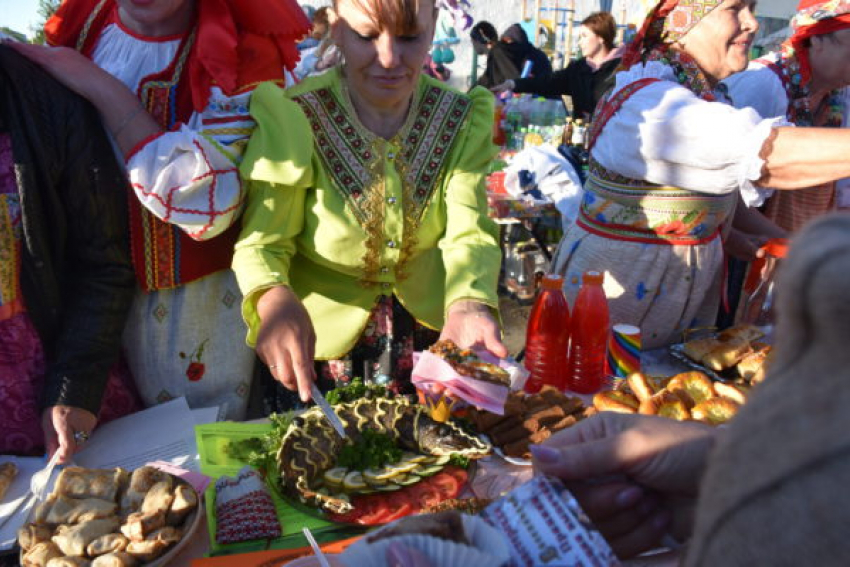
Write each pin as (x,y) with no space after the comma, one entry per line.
(667,159)
(181,339)
(360,226)
(778,84)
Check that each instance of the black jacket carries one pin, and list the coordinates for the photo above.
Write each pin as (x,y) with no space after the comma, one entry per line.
(506,60)
(577,80)
(76,274)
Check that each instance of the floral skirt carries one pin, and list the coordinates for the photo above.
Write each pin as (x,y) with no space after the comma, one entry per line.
(382,355)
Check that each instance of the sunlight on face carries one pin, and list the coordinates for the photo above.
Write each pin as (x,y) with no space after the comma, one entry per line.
(382,65)
(720,42)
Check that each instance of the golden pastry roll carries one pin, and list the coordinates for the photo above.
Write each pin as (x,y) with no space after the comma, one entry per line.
(141,481)
(107,543)
(32,534)
(8,472)
(727,354)
(117,559)
(76,539)
(147,550)
(42,510)
(185,500)
(699,348)
(168,535)
(68,562)
(158,499)
(40,554)
(746,332)
(138,525)
(75,510)
(77,482)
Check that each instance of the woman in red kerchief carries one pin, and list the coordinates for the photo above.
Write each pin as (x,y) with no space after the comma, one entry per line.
(668,158)
(804,83)
(172,80)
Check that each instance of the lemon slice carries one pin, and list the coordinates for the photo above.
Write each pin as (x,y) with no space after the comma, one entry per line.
(353,481)
(412,458)
(334,477)
(378,476)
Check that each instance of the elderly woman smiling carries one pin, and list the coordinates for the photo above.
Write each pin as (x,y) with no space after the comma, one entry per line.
(668,159)
(366,225)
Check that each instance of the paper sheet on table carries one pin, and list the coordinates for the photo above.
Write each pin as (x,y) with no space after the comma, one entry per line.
(161,433)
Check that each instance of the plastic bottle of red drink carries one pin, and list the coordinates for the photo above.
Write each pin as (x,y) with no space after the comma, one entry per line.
(586,369)
(547,337)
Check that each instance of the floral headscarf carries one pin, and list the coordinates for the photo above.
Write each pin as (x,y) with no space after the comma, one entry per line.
(666,23)
(815,17)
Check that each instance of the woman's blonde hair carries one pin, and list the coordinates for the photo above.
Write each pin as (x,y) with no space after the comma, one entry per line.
(396,15)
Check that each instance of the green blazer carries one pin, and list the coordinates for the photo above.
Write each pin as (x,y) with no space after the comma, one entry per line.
(344,216)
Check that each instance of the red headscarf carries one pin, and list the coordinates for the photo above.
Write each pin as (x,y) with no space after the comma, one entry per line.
(816,17)
(667,22)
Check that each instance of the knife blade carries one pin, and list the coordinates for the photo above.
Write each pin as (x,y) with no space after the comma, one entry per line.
(326,408)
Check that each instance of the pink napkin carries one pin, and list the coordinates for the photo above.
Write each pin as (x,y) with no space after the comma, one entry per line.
(198,481)
(433,375)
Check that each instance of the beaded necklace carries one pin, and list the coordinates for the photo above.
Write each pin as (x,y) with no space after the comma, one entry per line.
(687,72)
(799,95)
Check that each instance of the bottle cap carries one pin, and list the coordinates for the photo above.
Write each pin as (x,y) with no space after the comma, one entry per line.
(776,247)
(552,281)
(593,278)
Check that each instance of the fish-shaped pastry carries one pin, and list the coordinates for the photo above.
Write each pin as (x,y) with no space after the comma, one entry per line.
(310,446)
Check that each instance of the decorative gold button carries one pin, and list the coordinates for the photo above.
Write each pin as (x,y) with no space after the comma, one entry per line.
(385,270)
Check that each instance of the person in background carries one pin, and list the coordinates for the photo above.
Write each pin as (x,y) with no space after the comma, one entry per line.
(668,159)
(313,38)
(776,473)
(66,279)
(508,56)
(358,247)
(585,79)
(804,83)
(172,80)
(314,56)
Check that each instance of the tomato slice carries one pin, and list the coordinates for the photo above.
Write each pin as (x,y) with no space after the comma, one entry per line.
(446,484)
(460,474)
(398,505)
(424,494)
(375,512)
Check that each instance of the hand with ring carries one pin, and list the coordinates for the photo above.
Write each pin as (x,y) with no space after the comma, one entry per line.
(66,429)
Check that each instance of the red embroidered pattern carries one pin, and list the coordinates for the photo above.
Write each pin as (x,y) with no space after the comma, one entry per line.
(251,516)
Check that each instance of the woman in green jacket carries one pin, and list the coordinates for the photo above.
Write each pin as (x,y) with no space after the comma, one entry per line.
(366,227)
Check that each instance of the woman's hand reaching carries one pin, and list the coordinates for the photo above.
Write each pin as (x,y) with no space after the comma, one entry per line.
(286,340)
(471,325)
(637,477)
(66,429)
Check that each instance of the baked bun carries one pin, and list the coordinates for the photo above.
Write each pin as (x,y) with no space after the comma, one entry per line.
(730,392)
(751,363)
(715,411)
(691,387)
(616,400)
(641,386)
